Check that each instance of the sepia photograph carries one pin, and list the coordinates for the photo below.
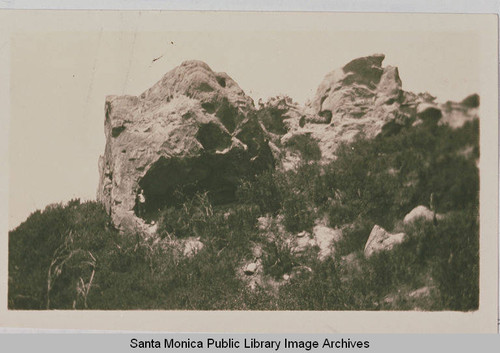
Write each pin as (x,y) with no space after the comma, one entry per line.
(318,163)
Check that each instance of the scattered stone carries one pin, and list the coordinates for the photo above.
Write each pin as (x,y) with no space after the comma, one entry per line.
(257,251)
(326,238)
(421,212)
(264,223)
(322,237)
(301,244)
(151,230)
(303,234)
(250,269)
(382,240)
(192,246)
(389,299)
(421,292)
(348,259)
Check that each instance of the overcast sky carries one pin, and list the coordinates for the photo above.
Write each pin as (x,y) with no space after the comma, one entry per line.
(59,82)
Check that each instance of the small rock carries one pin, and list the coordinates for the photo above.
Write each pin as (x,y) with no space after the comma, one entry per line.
(257,251)
(263,223)
(250,269)
(301,244)
(151,230)
(303,234)
(421,292)
(382,240)
(421,212)
(347,259)
(300,271)
(325,238)
(286,277)
(192,246)
(388,299)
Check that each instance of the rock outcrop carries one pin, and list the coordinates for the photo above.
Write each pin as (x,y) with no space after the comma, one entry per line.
(188,133)
(365,99)
(358,100)
(196,131)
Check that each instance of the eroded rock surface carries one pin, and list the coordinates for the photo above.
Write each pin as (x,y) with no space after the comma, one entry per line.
(196,131)
(365,99)
(188,133)
(359,99)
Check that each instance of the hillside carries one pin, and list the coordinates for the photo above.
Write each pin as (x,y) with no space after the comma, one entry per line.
(366,198)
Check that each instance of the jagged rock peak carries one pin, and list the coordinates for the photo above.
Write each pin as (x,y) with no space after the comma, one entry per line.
(363,80)
(195,79)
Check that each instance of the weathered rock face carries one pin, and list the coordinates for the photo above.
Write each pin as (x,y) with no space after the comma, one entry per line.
(358,99)
(188,133)
(364,99)
(196,131)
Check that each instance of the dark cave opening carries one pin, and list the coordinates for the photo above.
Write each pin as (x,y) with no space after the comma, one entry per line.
(172,181)
(212,137)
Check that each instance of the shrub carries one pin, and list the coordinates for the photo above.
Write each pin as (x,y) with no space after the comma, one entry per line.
(278,259)
(69,256)
(298,212)
(455,266)
(194,218)
(354,238)
(306,145)
(61,238)
(272,119)
(263,191)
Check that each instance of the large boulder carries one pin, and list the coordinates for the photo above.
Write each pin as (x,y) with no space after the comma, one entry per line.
(188,133)
(382,240)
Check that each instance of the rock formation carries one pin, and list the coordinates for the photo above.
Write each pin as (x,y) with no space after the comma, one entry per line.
(188,133)
(364,99)
(356,100)
(196,131)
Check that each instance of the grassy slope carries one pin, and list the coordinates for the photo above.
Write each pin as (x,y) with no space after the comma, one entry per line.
(372,182)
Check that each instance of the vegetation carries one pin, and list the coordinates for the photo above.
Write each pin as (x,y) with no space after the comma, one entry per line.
(272,119)
(69,256)
(306,146)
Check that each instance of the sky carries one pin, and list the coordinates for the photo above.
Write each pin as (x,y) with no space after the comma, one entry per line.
(59,81)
